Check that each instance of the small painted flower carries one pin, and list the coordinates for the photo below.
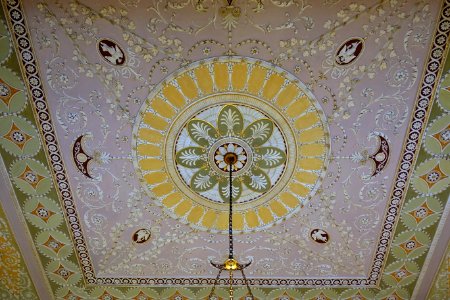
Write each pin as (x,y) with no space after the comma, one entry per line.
(231,148)
(42,212)
(4,91)
(421,212)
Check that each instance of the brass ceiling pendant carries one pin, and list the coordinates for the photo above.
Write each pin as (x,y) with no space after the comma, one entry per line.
(231,264)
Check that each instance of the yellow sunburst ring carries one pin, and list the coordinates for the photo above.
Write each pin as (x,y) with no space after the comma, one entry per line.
(180,165)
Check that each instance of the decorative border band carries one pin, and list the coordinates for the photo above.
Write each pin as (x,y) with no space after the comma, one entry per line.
(30,71)
(414,133)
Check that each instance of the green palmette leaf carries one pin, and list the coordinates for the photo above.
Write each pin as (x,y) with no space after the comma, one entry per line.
(258,132)
(202,181)
(270,157)
(230,121)
(203,133)
(258,181)
(190,157)
(224,190)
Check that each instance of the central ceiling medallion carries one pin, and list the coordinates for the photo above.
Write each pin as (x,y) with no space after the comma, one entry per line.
(258,113)
(220,130)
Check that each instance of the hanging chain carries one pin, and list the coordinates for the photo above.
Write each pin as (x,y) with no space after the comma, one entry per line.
(230,217)
(246,283)
(214,285)
(224,266)
(231,285)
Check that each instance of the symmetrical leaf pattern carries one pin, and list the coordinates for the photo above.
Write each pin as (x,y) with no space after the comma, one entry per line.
(203,181)
(270,157)
(230,121)
(224,190)
(230,124)
(258,181)
(259,132)
(201,132)
(190,157)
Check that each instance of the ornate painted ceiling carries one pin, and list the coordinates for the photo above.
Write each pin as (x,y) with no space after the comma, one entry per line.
(115,117)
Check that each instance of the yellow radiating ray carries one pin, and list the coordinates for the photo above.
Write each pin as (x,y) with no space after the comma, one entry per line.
(307,120)
(150,135)
(272,86)
(278,208)
(195,214)
(149,164)
(289,200)
(310,164)
(222,221)
(287,95)
(256,79)
(312,149)
(149,150)
(163,189)
(204,80)
(311,135)
(238,221)
(155,177)
(265,214)
(209,218)
(188,86)
(162,108)
(172,199)
(183,207)
(251,219)
(221,76)
(173,96)
(306,177)
(298,107)
(239,76)
(299,189)
(155,121)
